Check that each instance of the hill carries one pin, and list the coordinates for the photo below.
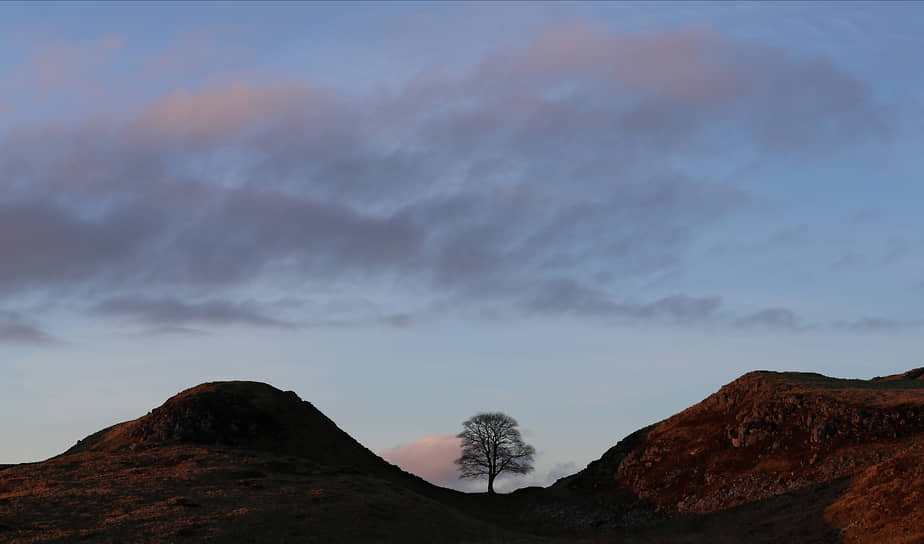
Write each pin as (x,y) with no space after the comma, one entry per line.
(226,462)
(251,415)
(769,457)
(768,435)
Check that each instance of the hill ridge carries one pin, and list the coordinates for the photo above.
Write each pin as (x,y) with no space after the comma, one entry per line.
(238,414)
(763,434)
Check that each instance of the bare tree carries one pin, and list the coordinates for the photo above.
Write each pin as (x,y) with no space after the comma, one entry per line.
(491,444)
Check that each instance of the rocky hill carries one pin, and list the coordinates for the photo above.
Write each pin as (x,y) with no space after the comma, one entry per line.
(249,415)
(768,434)
(226,462)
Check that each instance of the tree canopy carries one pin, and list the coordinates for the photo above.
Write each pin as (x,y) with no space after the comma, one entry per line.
(491,445)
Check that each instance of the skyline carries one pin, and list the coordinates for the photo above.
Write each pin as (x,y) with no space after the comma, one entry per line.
(588,216)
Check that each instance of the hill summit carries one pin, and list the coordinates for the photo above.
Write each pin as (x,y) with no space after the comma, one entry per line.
(237,414)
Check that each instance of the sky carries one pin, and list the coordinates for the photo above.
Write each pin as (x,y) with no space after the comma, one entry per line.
(588,216)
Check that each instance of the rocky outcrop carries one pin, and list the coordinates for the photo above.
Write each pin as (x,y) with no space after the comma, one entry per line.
(762,435)
(248,415)
(218,416)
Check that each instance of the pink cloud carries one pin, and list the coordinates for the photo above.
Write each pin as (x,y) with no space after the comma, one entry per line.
(110,43)
(224,110)
(431,457)
(65,64)
(201,53)
(186,56)
(682,64)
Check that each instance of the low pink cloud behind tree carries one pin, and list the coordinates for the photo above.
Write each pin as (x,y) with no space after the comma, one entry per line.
(430,457)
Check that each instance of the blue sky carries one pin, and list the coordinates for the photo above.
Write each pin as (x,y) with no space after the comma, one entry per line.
(587,215)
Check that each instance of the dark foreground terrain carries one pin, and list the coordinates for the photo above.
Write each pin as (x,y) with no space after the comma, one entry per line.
(770,457)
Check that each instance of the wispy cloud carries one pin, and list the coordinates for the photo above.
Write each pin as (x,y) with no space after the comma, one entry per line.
(219,112)
(878,324)
(564,296)
(169,313)
(778,319)
(16,330)
(534,181)
(59,64)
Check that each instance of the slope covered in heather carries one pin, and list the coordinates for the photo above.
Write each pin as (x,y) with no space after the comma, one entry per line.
(765,435)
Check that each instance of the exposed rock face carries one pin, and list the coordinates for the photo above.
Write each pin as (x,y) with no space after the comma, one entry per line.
(248,415)
(764,434)
(217,416)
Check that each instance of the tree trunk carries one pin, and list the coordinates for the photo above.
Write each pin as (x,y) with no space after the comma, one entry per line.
(491,484)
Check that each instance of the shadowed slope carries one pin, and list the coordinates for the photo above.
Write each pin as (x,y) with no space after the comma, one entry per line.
(248,415)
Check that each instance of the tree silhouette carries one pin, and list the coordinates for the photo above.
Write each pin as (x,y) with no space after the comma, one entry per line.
(491,444)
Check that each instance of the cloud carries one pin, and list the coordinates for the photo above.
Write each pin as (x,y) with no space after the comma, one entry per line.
(189,54)
(877,324)
(787,320)
(533,183)
(42,244)
(399,320)
(247,230)
(172,330)
(558,471)
(685,64)
(781,319)
(15,330)
(217,112)
(672,76)
(566,296)
(431,457)
(170,314)
(59,64)
(54,75)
